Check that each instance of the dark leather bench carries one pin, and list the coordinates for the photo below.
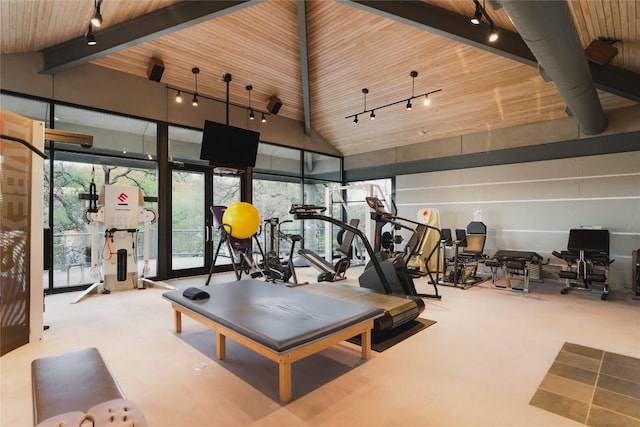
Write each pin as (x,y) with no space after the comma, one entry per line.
(78,385)
(278,322)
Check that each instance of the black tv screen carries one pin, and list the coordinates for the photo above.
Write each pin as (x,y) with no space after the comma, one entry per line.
(229,146)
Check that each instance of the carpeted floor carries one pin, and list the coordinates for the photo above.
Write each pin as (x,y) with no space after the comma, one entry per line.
(592,386)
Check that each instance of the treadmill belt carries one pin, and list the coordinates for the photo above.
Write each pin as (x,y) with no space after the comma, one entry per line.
(399,309)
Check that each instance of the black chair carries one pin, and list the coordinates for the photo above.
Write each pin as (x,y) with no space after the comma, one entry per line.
(473,241)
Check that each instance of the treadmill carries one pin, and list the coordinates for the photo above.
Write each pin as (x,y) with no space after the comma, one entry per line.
(399,307)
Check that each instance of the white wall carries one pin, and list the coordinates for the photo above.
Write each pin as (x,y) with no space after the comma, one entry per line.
(532,206)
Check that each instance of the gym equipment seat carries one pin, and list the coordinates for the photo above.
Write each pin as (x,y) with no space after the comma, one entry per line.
(330,272)
(587,258)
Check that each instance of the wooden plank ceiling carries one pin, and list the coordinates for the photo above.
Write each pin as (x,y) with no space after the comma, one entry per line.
(348,49)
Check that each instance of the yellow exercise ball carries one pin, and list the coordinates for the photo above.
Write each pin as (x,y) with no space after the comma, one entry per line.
(241,220)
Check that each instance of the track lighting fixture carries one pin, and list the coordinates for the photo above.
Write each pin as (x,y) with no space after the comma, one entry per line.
(225,78)
(493,35)
(96,19)
(91,37)
(252,116)
(408,105)
(477,18)
(195,71)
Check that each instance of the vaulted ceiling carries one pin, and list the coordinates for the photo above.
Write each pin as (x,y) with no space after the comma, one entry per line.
(318,55)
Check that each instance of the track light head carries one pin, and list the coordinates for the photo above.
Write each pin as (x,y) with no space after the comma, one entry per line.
(179,97)
(263,119)
(252,116)
(355,120)
(477,16)
(409,106)
(493,35)
(96,19)
(427,100)
(373,115)
(91,37)
(195,71)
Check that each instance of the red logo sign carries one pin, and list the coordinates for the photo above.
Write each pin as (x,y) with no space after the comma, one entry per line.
(122,197)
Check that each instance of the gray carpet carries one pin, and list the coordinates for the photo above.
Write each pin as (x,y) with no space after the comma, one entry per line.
(592,386)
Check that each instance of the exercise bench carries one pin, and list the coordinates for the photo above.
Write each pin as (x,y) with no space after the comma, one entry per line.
(77,388)
(514,263)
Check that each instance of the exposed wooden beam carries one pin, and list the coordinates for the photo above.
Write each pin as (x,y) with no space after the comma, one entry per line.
(135,31)
(450,25)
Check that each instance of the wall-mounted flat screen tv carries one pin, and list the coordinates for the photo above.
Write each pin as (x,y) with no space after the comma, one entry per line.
(229,146)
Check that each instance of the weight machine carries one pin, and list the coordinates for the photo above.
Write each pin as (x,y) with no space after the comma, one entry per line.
(414,260)
(460,269)
(274,268)
(121,214)
(587,258)
(333,272)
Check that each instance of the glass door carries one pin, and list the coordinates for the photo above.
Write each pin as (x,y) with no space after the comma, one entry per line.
(191,230)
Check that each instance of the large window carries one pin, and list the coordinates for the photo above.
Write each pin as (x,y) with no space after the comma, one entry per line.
(125,152)
(184,145)
(73,233)
(273,198)
(36,110)
(322,167)
(274,159)
(122,154)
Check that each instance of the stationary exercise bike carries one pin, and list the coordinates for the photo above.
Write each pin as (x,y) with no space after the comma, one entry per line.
(273,267)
